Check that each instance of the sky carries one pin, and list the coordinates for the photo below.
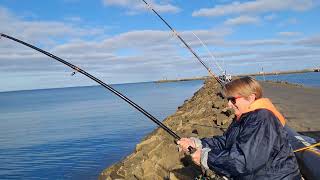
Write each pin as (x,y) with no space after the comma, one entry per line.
(123,41)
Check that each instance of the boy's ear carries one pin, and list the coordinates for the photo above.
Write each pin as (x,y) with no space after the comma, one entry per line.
(252,97)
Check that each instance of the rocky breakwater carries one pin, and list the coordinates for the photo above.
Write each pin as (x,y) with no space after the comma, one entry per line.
(157,156)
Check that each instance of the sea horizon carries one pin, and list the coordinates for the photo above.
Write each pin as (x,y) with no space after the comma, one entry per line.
(268,74)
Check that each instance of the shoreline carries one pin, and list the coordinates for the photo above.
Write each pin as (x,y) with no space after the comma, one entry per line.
(178,80)
(281,72)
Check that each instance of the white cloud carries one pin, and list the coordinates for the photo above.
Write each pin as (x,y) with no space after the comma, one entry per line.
(73,19)
(290,53)
(259,42)
(135,6)
(152,52)
(289,21)
(310,41)
(141,55)
(214,37)
(242,20)
(151,42)
(43,31)
(256,7)
(148,51)
(245,61)
(145,40)
(270,17)
(289,34)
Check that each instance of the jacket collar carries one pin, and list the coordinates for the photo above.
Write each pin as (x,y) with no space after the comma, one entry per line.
(265,103)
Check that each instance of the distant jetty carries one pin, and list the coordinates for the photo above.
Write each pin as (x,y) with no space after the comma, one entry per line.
(184,79)
(281,72)
(241,75)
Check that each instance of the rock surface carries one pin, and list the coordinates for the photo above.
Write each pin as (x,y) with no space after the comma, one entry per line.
(157,156)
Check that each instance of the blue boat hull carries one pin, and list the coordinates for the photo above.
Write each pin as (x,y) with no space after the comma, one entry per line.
(309,160)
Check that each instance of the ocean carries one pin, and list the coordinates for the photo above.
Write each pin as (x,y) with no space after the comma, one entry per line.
(74,133)
(310,79)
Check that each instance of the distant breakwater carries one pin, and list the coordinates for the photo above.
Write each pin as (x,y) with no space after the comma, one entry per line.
(241,75)
(281,72)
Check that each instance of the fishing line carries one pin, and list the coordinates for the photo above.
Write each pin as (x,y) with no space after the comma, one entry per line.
(225,78)
(212,57)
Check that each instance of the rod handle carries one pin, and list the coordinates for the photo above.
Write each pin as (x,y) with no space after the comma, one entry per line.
(192,150)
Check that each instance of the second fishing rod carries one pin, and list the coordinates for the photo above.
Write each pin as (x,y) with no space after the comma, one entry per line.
(187,45)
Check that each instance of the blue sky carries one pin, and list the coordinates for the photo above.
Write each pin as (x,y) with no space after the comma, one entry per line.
(121,41)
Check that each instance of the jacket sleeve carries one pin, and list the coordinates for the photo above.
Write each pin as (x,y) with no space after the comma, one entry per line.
(216,142)
(252,149)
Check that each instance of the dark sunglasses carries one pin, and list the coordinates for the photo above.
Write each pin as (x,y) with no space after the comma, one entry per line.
(233,99)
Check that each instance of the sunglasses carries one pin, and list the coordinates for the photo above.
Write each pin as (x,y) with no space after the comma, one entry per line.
(233,99)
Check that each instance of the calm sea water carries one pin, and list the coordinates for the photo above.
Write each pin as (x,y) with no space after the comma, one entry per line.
(311,79)
(74,133)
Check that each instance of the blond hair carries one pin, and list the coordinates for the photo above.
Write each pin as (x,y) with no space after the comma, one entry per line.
(244,87)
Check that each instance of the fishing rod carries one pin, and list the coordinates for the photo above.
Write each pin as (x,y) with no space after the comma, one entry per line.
(117,93)
(184,42)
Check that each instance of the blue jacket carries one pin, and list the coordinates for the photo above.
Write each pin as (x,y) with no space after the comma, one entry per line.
(254,147)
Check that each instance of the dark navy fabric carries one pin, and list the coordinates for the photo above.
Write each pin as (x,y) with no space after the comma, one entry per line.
(254,147)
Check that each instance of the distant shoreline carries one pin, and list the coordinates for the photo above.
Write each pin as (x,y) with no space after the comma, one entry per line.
(281,72)
(241,75)
(184,79)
